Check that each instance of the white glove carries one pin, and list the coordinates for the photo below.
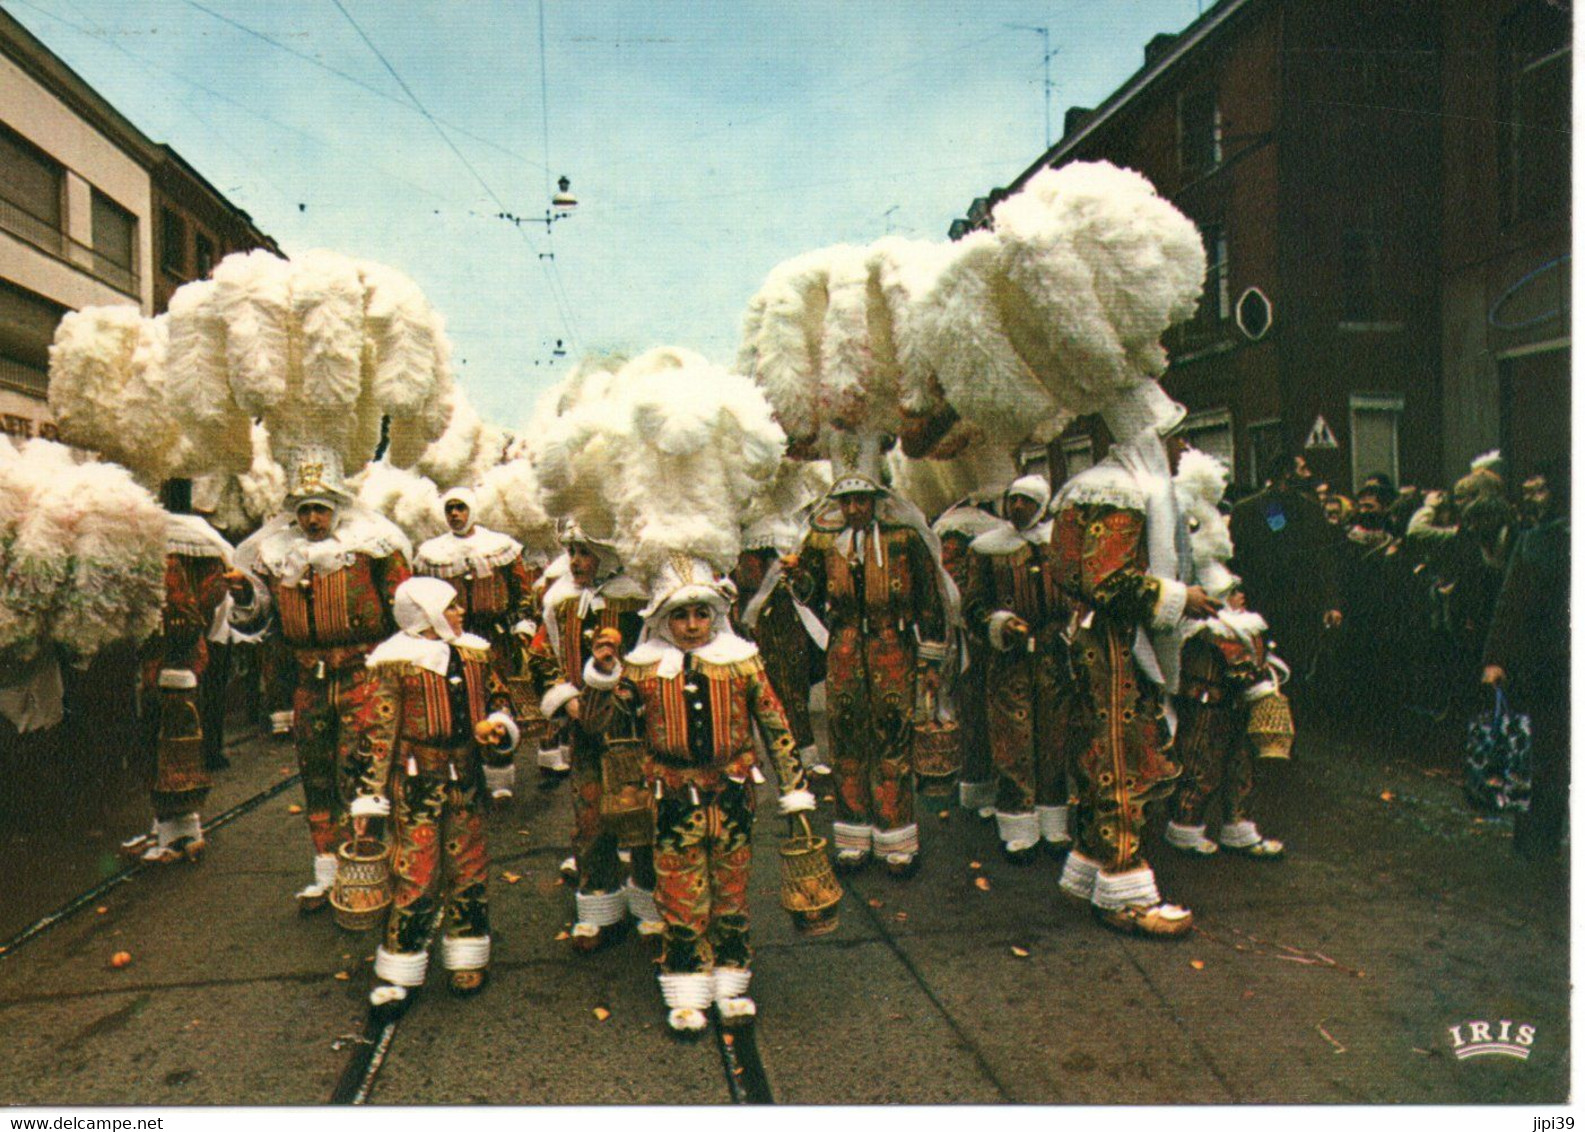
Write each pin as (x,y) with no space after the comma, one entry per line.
(796,802)
(370,806)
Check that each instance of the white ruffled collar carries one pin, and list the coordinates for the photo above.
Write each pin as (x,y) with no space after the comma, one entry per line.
(282,550)
(726,647)
(1008,539)
(428,653)
(481,551)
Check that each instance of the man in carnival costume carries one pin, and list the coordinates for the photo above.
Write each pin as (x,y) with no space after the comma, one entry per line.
(1120,552)
(494,587)
(330,569)
(870,569)
(957,527)
(444,708)
(703,691)
(790,638)
(198,580)
(594,595)
(1015,603)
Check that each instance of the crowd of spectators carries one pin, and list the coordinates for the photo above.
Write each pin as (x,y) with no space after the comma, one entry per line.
(1391,608)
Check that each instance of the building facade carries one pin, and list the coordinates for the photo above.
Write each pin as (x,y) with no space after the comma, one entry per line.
(1343,163)
(84,195)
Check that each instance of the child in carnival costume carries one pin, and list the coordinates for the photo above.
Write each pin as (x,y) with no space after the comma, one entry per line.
(702,691)
(593,596)
(1226,666)
(445,710)
(494,585)
(957,527)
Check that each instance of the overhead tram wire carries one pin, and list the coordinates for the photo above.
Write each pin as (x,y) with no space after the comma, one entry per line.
(251,111)
(354,80)
(468,165)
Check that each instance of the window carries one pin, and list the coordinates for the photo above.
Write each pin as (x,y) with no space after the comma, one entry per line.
(1373,434)
(1199,132)
(27,326)
(203,255)
(31,187)
(115,232)
(1361,278)
(1078,453)
(173,243)
(1534,118)
(1211,432)
(1216,302)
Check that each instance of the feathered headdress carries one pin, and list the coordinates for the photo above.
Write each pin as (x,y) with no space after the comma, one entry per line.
(406,498)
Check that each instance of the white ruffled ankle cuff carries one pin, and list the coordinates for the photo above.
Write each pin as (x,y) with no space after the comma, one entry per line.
(1078,875)
(1054,824)
(1017,831)
(554,758)
(847,836)
(1184,836)
(1120,890)
(904,840)
(731,982)
(601,908)
(325,869)
(465,953)
(500,778)
(1239,835)
(401,968)
(640,903)
(687,992)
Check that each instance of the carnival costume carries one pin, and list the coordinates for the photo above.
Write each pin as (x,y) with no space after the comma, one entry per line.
(332,600)
(1226,666)
(196,561)
(1116,548)
(436,686)
(495,588)
(1027,703)
(700,710)
(790,638)
(957,527)
(879,591)
(608,889)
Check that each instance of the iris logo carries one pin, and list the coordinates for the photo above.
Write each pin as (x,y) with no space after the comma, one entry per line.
(1475,1039)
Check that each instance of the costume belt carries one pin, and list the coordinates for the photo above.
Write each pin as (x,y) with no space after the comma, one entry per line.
(696,783)
(338,659)
(438,760)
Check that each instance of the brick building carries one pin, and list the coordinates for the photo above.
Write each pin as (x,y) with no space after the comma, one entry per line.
(1345,164)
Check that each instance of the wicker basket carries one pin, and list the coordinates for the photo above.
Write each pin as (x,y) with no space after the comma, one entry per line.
(525,709)
(1271,727)
(809,889)
(179,767)
(938,757)
(362,892)
(627,808)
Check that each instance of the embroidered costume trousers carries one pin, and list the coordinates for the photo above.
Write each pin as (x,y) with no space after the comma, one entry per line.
(870,701)
(1120,763)
(1027,712)
(702,856)
(438,853)
(1217,763)
(332,717)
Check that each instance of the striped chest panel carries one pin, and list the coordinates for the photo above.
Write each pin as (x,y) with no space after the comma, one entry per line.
(426,707)
(577,633)
(888,589)
(487,595)
(333,609)
(674,724)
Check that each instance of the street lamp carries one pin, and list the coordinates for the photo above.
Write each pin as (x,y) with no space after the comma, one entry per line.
(564,201)
(561,206)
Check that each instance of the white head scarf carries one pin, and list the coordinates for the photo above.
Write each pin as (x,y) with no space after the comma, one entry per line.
(419,608)
(465,496)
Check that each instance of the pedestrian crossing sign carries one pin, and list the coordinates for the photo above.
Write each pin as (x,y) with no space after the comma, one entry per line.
(1321,434)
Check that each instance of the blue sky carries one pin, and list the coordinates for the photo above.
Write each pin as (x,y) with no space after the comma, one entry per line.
(706,140)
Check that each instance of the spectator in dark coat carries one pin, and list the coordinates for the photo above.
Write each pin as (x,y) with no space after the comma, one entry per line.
(1527,651)
(1286,552)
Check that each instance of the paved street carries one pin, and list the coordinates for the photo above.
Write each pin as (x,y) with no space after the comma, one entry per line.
(1334,976)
